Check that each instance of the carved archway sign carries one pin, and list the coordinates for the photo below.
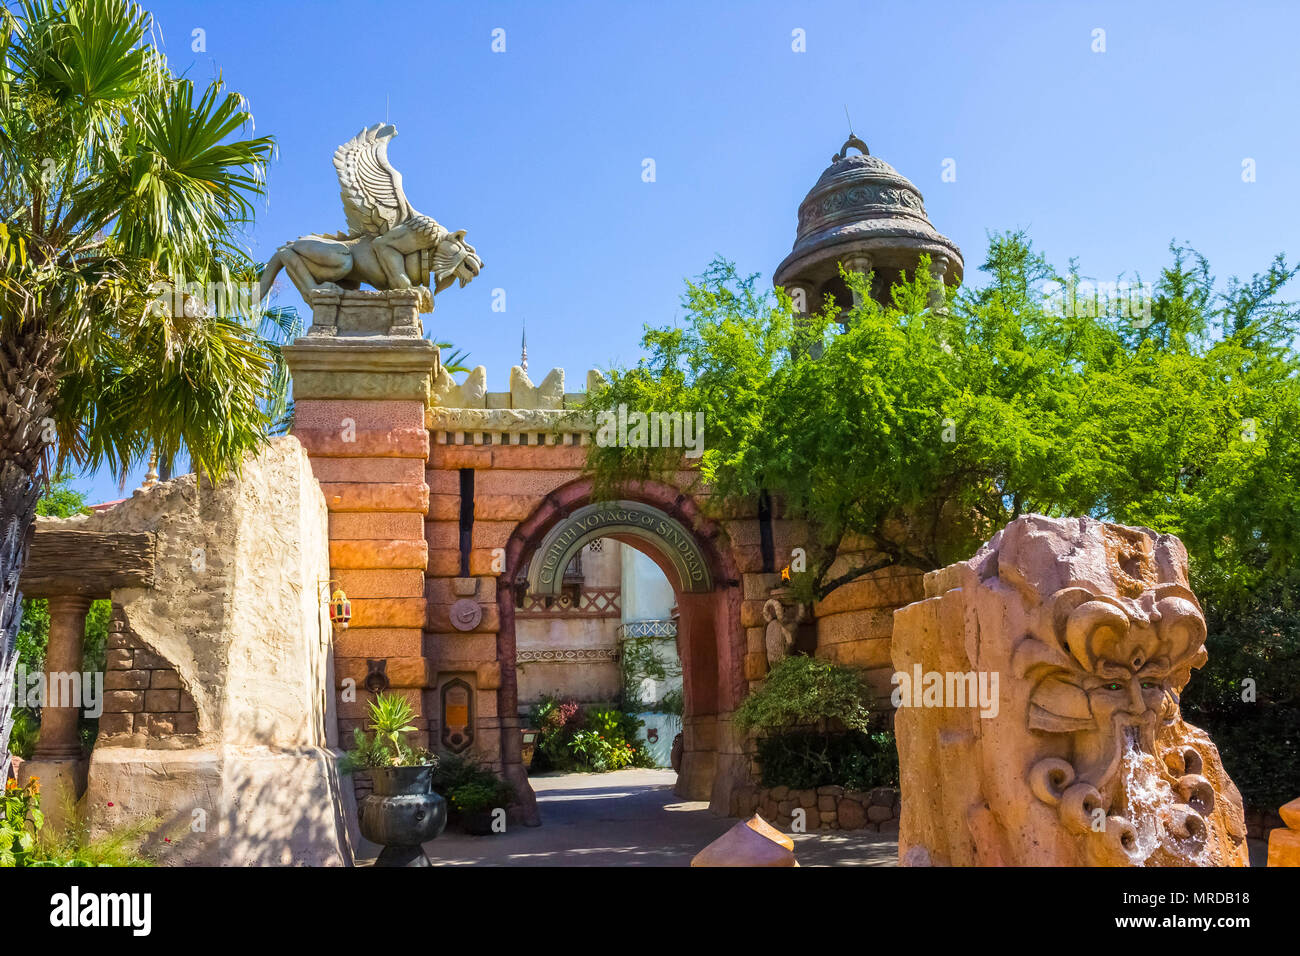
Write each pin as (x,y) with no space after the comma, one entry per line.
(605,519)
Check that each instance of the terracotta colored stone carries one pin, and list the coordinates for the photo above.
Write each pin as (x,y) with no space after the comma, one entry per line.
(388,612)
(868,624)
(401,671)
(444,481)
(503,507)
(395,526)
(394,443)
(1284,842)
(439,619)
(755,666)
(463,649)
(460,456)
(523,482)
(400,470)
(380,416)
(443,563)
(379,642)
(1091,629)
(117,659)
(378,554)
(749,843)
(443,535)
(492,534)
(375,496)
(557,457)
(891,587)
(446,507)
(385,583)
(448,590)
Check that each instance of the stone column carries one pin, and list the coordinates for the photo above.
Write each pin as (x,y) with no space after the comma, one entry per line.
(59,739)
(361,387)
(938,270)
(860,263)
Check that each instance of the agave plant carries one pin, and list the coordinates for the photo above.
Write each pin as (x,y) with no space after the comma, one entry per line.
(119,181)
(390,719)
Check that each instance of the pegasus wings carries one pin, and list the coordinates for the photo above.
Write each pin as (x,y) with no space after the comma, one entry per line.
(373,200)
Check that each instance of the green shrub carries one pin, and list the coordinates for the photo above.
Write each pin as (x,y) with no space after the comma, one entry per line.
(805,692)
(596,739)
(25,840)
(855,760)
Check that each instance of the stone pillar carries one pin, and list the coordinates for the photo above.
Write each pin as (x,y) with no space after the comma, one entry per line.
(360,397)
(59,739)
(860,263)
(58,761)
(938,270)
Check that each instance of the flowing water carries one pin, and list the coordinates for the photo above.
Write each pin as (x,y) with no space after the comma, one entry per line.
(1149,802)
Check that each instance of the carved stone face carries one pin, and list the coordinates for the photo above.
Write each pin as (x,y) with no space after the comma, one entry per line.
(1113,670)
(455,259)
(1088,761)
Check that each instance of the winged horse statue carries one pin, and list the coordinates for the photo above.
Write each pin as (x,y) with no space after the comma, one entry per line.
(388,244)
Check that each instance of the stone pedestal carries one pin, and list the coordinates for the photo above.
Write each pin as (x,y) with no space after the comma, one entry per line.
(369,312)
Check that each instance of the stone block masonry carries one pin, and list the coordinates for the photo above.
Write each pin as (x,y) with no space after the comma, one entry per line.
(145,702)
(360,412)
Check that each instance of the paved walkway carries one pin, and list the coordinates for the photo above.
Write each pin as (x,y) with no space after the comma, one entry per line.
(632,818)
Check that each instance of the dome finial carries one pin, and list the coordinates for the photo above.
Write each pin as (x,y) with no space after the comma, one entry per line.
(855,143)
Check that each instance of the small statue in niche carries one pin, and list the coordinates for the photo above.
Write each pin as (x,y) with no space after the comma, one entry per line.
(782,621)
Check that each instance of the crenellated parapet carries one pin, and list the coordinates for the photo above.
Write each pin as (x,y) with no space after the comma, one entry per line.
(472,393)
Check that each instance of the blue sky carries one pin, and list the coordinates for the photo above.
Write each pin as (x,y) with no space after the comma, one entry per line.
(537,151)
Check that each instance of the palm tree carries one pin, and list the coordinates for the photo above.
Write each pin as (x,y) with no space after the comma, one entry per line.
(123,193)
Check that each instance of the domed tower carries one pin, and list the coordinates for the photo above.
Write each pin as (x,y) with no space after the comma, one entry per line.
(864,214)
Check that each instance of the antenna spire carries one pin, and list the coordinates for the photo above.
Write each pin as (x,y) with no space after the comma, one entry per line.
(523,347)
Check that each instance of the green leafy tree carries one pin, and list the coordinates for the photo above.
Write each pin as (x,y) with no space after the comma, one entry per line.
(118,180)
(918,432)
(924,430)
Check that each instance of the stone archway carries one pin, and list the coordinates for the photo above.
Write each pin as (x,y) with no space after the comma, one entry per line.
(667,526)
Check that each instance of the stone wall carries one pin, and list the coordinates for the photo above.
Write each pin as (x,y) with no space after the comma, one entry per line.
(229,650)
(855,623)
(144,700)
(825,808)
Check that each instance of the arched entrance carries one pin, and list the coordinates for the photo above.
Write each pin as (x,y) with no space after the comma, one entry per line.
(667,526)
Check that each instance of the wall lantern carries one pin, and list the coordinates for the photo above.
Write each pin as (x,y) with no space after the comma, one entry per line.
(340,609)
(339,605)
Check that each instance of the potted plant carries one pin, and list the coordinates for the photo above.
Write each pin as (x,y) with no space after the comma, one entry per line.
(476,801)
(403,811)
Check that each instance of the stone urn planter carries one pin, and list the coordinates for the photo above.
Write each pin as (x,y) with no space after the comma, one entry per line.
(402,813)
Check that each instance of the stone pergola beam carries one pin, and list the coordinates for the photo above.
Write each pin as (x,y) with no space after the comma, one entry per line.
(65,563)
